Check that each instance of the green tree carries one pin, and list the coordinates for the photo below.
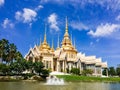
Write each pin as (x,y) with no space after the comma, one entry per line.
(18,56)
(118,70)
(4,48)
(75,71)
(104,71)
(30,66)
(45,73)
(11,53)
(38,67)
(18,66)
(112,71)
(8,51)
(4,69)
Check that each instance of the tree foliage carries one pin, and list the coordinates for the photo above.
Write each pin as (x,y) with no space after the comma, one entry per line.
(18,66)
(4,69)
(8,51)
(104,72)
(118,71)
(112,71)
(38,67)
(15,64)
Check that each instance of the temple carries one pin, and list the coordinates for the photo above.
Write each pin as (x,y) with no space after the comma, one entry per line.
(65,57)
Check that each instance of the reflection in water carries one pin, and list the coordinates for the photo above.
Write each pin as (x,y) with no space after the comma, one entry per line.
(68,86)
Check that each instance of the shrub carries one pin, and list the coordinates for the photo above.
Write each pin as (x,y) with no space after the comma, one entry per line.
(75,71)
(87,72)
(45,73)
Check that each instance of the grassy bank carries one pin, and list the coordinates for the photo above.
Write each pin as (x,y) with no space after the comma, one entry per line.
(74,78)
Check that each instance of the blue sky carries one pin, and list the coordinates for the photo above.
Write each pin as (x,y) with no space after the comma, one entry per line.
(94,24)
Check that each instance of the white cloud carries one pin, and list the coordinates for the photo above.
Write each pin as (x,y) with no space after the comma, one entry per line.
(38,8)
(2,2)
(52,20)
(45,1)
(78,26)
(27,16)
(7,24)
(118,18)
(104,30)
(108,4)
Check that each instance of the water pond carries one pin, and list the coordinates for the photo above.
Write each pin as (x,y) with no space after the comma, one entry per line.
(23,85)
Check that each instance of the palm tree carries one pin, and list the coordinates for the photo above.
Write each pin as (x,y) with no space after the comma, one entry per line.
(11,53)
(4,47)
(18,56)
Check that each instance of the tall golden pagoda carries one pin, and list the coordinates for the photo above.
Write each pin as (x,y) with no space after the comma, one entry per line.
(66,42)
(45,45)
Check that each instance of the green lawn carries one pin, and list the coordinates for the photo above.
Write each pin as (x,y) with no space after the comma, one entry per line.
(75,78)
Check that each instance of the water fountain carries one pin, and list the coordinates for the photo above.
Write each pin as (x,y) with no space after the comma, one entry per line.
(53,80)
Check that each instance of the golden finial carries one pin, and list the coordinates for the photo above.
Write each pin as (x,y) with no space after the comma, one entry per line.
(52,48)
(45,33)
(66,27)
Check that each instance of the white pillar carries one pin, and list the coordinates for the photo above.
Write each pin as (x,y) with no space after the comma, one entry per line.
(107,72)
(101,71)
(52,65)
(57,66)
(95,71)
(63,66)
(33,59)
(70,66)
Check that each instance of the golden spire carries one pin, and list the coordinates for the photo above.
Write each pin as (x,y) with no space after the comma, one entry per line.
(45,35)
(66,40)
(52,46)
(66,27)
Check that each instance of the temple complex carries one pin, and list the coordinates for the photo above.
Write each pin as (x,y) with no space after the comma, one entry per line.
(65,56)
